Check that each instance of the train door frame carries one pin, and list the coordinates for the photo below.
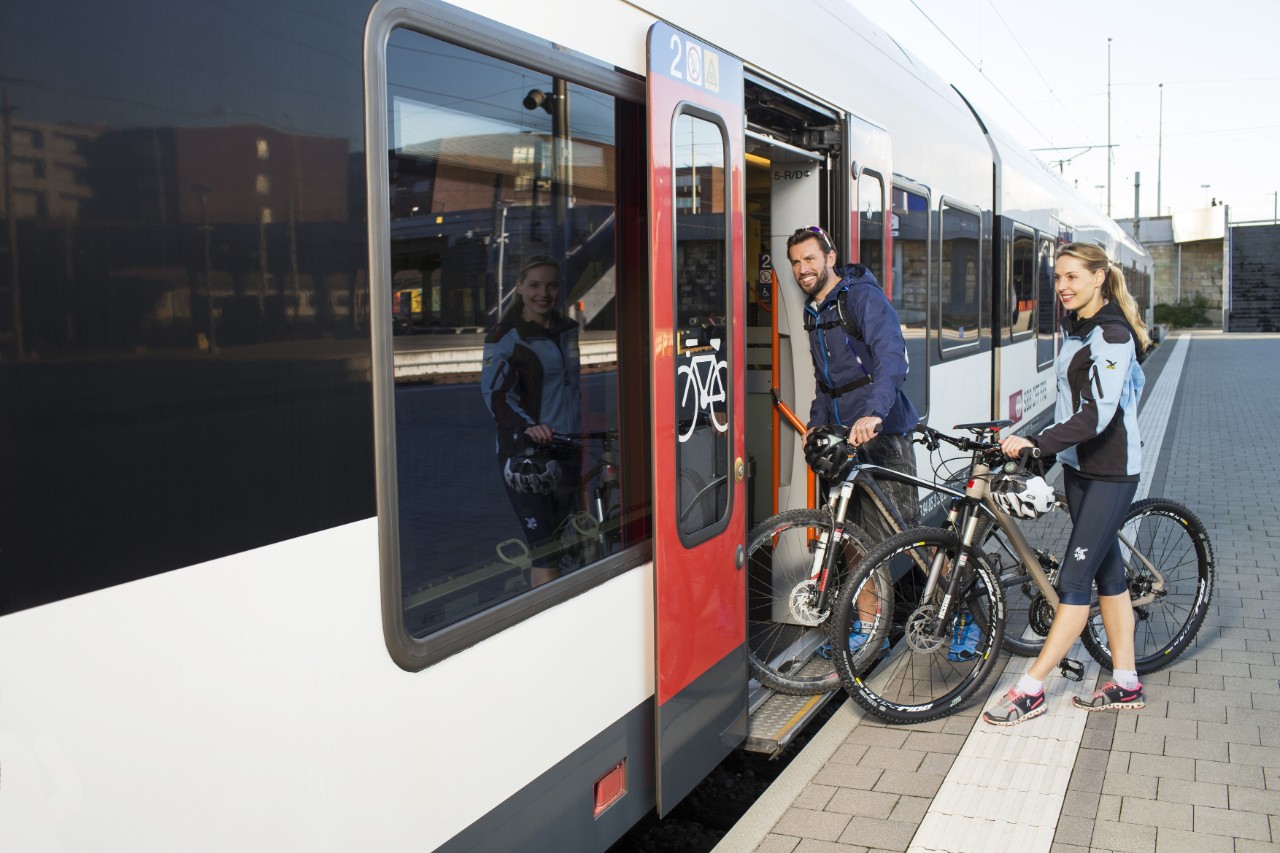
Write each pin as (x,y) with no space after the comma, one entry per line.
(700,652)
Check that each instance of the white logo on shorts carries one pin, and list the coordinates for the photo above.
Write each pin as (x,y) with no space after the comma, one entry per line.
(1080,553)
(531,523)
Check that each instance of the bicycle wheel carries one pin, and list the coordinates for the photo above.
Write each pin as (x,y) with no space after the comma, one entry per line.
(926,673)
(784,633)
(1166,535)
(1028,614)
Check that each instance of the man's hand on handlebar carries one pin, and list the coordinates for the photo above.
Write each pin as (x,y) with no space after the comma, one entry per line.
(864,429)
(539,433)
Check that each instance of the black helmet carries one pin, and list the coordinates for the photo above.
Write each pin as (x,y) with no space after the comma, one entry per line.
(828,452)
(532,471)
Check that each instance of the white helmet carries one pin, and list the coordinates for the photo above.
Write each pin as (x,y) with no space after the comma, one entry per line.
(1023,495)
(532,472)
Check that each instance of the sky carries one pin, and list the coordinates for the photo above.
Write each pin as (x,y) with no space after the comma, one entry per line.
(1040,70)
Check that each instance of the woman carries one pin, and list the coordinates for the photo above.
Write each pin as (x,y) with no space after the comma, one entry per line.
(530,384)
(1096,439)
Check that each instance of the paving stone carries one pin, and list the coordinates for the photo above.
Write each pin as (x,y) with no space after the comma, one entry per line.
(863,803)
(809,845)
(1195,679)
(1241,670)
(938,763)
(815,796)
(1194,793)
(1089,781)
(1130,785)
(1232,823)
(1156,813)
(1186,748)
(777,844)
(879,834)
(1096,739)
(874,735)
(809,823)
(1152,725)
(1245,799)
(1092,759)
(911,809)
(848,776)
(1074,830)
(849,753)
(1188,711)
(935,742)
(1230,774)
(913,784)
(1245,845)
(1266,756)
(892,759)
(1123,837)
(1226,733)
(1084,803)
(1171,840)
(1150,744)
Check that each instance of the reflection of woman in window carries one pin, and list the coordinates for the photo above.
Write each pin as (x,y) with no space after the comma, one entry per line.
(530,384)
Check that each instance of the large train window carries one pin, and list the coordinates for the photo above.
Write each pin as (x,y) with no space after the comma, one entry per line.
(958,276)
(1047,314)
(1020,306)
(911,286)
(503,271)
(703,370)
(871,224)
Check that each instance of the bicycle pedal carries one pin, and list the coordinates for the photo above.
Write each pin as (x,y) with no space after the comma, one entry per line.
(1072,670)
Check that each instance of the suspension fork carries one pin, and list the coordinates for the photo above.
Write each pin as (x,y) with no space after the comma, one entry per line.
(824,556)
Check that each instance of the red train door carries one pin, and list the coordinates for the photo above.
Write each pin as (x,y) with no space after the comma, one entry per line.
(699,498)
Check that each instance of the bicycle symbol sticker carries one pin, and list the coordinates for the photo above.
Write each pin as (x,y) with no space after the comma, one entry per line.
(703,389)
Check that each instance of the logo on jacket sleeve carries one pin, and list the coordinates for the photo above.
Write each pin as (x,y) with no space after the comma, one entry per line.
(1111,365)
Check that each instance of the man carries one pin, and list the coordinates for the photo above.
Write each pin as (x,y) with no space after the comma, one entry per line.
(859,363)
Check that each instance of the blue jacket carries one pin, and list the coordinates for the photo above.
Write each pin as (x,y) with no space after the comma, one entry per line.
(841,360)
(530,376)
(1099,386)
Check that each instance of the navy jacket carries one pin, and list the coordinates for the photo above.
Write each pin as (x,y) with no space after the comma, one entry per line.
(840,359)
(1099,385)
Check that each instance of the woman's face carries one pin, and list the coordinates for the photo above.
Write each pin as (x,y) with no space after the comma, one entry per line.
(539,289)
(1079,289)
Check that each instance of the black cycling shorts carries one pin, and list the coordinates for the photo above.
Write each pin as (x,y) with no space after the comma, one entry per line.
(1098,508)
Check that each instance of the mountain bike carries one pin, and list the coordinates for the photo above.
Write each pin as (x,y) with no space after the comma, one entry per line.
(796,561)
(919,611)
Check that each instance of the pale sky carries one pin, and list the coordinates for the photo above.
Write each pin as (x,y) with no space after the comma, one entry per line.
(1039,69)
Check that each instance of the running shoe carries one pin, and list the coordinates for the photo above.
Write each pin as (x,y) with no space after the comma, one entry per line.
(1015,708)
(965,635)
(857,639)
(1112,695)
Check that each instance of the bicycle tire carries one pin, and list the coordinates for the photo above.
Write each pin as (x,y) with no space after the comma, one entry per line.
(783,639)
(1176,542)
(915,681)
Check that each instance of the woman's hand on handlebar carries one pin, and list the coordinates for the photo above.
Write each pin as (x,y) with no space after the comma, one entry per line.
(1014,445)
(539,433)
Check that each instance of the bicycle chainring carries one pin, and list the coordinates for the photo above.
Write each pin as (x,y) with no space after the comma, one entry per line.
(919,631)
(1040,615)
(802,604)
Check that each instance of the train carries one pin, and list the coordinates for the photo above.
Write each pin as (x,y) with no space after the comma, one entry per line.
(260,585)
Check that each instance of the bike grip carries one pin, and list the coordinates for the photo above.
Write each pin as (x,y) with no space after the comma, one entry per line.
(1029,453)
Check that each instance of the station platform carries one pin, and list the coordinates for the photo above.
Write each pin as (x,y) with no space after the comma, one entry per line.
(1198,769)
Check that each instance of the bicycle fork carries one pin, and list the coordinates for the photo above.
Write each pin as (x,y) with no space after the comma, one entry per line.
(824,554)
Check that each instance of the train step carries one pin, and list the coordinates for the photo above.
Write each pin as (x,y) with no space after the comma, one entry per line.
(776,718)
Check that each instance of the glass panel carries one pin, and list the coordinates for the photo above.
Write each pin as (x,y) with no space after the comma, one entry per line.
(502,249)
(701,309)
(871,224)
(911,287)
(958,278)
(1047,322)
(1022,296)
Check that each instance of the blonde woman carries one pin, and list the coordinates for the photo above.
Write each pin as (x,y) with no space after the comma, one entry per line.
(1096,439)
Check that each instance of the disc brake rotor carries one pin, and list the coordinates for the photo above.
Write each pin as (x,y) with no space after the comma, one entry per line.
(802,604)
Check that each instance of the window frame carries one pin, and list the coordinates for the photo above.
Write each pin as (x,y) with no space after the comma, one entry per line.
(471,32)
(958,350)
(1010,295)
(931,281)
(1044,240)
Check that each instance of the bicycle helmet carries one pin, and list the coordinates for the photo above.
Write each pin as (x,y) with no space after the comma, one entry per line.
(1023,495)
(532,471)
(828,452)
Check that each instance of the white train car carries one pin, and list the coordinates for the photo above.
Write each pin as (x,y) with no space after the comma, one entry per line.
(258,591)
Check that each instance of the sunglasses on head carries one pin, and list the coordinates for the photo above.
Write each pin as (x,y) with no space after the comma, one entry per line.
(822,235)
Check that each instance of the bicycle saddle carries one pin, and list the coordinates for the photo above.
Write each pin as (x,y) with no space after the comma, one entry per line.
(985,426)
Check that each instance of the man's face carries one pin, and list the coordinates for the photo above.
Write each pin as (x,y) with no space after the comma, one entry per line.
(811,266)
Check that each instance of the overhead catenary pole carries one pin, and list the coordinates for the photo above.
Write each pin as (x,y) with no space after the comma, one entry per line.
(1108,126)
(1160,157)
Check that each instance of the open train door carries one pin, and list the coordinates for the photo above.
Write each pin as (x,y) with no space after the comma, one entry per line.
(699,496)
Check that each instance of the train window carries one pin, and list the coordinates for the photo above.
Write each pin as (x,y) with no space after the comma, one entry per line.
(1020,308)
(702,348)
(1047,316)
(910,294)
(503,196)
(958,274)
(871,226)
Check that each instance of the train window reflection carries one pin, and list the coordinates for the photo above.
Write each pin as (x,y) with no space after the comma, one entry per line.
(1021,295)
(910,294)
(1047,322)
(871,225)
(702,349)
(503,195)
(958,279)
